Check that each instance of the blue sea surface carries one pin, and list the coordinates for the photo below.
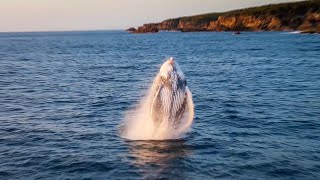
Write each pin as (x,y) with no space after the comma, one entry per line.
(63,96)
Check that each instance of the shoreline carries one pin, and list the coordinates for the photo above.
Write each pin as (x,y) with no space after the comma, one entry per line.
(301,16)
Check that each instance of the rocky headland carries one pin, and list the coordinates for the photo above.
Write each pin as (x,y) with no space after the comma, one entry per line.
(301,16)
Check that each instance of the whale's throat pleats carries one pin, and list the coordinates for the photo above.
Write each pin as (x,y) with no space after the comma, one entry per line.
(169,103)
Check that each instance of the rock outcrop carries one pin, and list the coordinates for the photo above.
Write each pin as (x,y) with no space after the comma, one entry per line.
(146,28)
(300,16)
(132,29)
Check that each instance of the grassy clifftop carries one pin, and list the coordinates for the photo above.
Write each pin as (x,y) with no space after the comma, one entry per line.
(283,9)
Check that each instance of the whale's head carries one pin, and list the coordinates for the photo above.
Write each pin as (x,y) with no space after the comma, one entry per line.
(170,72)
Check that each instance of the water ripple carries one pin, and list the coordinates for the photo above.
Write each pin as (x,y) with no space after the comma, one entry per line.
(64,94)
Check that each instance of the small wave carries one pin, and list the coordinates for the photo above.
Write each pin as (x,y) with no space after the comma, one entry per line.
(295,32)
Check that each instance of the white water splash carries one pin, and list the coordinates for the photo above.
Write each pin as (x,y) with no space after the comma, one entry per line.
(138,124)
(294,32)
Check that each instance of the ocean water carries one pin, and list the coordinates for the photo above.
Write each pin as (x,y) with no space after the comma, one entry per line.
(63,96)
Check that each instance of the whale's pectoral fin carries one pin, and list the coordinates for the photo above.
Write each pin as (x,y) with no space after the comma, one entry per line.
(190,106)
(156,109)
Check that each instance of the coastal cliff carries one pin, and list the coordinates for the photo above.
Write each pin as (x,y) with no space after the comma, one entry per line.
(299,16)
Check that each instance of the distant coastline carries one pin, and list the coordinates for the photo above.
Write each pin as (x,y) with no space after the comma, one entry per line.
(301,16)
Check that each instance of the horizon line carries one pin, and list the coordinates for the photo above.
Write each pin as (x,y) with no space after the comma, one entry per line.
(68,30)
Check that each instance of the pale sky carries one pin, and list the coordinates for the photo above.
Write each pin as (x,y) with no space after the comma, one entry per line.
(56,15)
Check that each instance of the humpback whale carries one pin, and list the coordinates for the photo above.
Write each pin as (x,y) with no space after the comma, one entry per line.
(166,111)
(171,98)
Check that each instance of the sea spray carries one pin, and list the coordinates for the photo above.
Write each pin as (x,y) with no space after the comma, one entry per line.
(140,125)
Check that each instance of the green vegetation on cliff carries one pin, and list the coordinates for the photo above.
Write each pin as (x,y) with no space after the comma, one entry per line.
(280,10)
(201,18)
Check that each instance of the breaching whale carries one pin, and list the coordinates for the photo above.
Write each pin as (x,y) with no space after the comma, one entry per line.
(166,111)
(171,98)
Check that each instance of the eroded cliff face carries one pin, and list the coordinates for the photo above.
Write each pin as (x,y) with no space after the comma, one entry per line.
(308,23)
(246,23)
(311,24)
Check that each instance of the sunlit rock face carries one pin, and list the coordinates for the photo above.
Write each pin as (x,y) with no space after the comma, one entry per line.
(300,16)
(311,23)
